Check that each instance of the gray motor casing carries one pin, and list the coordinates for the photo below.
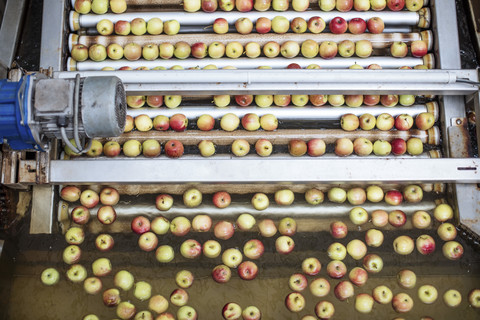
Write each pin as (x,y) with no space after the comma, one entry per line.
(103,107)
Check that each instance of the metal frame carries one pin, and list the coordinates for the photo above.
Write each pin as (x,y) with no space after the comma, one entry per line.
(9,33)
(54,25)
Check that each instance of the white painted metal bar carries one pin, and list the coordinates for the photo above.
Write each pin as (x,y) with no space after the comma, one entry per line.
(301,170)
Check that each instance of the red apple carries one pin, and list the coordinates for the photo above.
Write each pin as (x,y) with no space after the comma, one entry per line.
(140,225)
(247,270)
(338,25)
(224,230)
(174,149)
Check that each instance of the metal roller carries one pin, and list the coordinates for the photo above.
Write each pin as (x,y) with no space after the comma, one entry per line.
(278,137)
(247,63)
(379,41)
(404,18)
(307,113)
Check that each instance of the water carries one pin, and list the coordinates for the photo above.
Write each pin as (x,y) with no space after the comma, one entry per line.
(30,299)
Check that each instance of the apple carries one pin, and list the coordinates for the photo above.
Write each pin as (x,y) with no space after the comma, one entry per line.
(338,25)
(182,50)
(192,198)
(163,202)
(122,27)
(70,193)
(413,5)
(295,302)
(403,245)
(362,146)
(379,218)
(244,25)
(89,198)
(184,279)
(211,249)
(337,195)
(260,201)
(240,147)
(155,26)
(357,26)
(140,225)
(159,303)
(425,120)
(297,282)
(150,51)
(186,313)
(336,251)
(343,147)
(403,122)
(151,148)
(374,66)
(358,276)
(349,122)
(298,25)
(132,148)
(373,263)
(75,235)
(253,249)
(251,312)
(367,121)
(344,5)
(309,49)
(443,212)
(263,147)
(92,285)
(178,297)
(414,146)
(232,257)
(271,49)
(111,297)
(290,49)
(268,122)
(393,197)
(402,302)
(164,254)
(125,310)
(124,280)
(97,52)
(399,146)
(406,99)
(399,49)
(421,219)
(191,249)
(221,274)
(232,311)
(336,269)
(216,50)
(148,241)
(206,148)
(226,5)
(244,100)
(371,100)
(413,193)
(244,5)
(180,226)
(104,242)
(246,222)
(375,25)
(374,238)
(80,215)
(83,6)
(356,249)
(250,122)
(284,197)
(395,5)
(327,5)
(314,196)
(397,218)
(224,230)
(346,48)
(447,231)
(320,287)
(79,52)
(109,196)
(178,122)
(234,49)
(192,5)
(364,303)
(143,123)
(354,100)
(201,223)
(220,26)
(358,215)
(284,244)
(50,276)
(452,298)
(132,51)
(311,266)
(76,273)
(474,298)
(267,228)
(344,290)
(247,270)
(101,267)
(452,250)
(382,294)
(328,50)
(338,230)
(374,193)
(427,294)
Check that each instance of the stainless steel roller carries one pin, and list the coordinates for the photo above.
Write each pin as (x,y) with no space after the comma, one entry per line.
(308,113)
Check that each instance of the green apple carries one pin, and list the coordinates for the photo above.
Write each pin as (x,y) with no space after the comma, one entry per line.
(50,276)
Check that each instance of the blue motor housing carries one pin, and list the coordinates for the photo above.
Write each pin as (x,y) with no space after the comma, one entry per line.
(14,100)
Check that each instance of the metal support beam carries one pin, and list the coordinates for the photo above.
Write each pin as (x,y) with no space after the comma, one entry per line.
(141,171)
(53,43)
(9,33)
